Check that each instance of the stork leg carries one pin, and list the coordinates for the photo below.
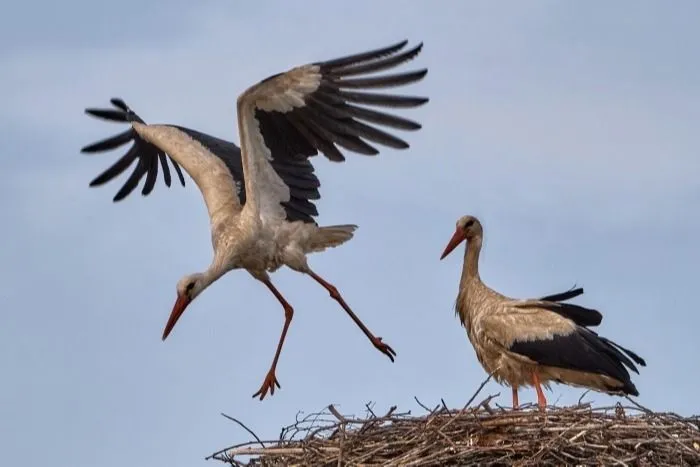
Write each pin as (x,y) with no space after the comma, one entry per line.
(376,341)
(271,380)
(541,400)
(515,397)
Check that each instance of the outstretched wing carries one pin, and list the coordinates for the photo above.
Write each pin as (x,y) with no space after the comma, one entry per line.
(318,107)
(298,175)
(148,155)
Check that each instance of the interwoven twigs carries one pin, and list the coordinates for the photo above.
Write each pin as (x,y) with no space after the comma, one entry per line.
(579,435)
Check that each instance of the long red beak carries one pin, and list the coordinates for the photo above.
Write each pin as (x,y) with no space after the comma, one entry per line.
(456,239)
(178,309)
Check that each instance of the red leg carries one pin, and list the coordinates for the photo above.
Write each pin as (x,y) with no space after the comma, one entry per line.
(271,380)
(541,400)
(515,397)
(376,341)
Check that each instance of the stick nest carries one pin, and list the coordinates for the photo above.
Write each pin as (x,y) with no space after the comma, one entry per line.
(481,435)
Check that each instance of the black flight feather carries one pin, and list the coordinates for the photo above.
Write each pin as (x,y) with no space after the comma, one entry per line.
(582,350)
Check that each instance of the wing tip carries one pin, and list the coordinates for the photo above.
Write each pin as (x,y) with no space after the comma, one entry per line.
(95,182)
(393,48)
(124,114)
(415,51)
(87,149)
(399,45)
(368,56)
(422,73)
(119,102)
(119,197)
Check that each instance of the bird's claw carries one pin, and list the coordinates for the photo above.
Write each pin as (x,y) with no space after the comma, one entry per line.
(384,348)
(268,385)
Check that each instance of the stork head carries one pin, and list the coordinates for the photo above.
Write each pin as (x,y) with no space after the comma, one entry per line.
(468,228)
(188,288)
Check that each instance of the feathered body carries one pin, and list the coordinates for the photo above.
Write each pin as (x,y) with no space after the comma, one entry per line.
(535,341)
(260,197)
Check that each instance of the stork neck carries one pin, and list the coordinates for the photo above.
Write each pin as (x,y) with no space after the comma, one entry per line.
(217,268)
(470,270)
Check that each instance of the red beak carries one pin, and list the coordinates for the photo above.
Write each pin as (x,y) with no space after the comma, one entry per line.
(178,309)
(456,239)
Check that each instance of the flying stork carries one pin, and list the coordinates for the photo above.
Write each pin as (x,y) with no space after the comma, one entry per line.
(260,197)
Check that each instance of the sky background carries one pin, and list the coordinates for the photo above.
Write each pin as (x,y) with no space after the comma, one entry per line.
(569,128)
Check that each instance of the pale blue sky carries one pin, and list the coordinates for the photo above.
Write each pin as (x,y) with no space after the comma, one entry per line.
(569,128)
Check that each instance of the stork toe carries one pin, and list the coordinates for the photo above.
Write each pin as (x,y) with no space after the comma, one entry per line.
(384,348)
(268,385)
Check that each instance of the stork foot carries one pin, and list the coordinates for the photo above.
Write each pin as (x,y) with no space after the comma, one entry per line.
(384,348)
(268,385)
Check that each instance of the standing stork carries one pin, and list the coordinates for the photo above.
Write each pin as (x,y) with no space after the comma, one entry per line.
(260,197)
(535,341)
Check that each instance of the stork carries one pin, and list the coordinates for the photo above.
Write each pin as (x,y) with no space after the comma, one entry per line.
(259,197)
(535,341)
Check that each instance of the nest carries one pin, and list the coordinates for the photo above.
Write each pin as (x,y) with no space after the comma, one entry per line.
(481,435)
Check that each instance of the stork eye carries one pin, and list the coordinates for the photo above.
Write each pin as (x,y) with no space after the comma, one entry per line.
(469,223)
(189,287)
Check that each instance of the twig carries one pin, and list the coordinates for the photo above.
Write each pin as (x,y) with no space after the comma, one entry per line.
(242,425)
(392,409)
(444,407)
(639,406)
(481,386)
(485,403)
(421,404)
(369,409)
(336,414)
(583,395)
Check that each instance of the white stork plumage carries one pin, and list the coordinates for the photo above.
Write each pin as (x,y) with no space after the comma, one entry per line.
(533,342)
(260,197)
